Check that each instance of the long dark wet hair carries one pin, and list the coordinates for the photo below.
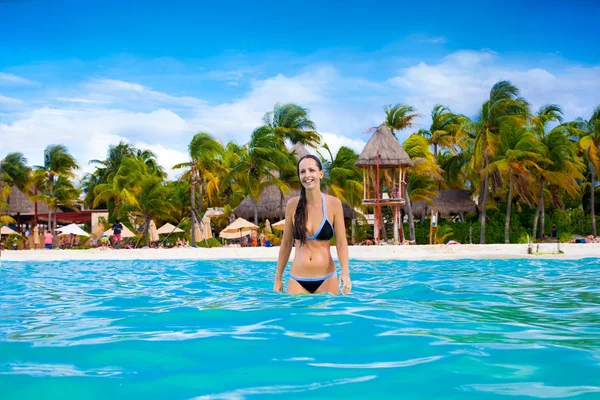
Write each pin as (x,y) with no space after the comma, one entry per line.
(301,214)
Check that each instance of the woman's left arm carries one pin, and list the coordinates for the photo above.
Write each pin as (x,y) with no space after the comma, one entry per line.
(341,245)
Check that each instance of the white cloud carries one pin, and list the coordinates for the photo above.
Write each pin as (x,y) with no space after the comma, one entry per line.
(334,142)
(88,133)
(107,111)
(166,157)
(80,100)
(10,100)
(463,80)
(429,39)
(129,91)
(14,79)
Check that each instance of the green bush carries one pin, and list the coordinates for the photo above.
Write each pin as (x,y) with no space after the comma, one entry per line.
(212,242)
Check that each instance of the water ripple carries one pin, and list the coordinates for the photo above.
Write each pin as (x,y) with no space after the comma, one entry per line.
(210,329)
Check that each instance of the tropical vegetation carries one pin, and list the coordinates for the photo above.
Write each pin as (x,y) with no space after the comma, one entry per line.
(527,171)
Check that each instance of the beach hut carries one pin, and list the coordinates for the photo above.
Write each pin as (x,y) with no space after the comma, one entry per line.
(385,165)
(238,229)
(270,203)
(448,204)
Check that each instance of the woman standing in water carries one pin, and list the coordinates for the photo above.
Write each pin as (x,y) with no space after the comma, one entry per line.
(311,221)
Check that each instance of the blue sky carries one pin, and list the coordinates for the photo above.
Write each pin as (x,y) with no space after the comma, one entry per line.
(153,73)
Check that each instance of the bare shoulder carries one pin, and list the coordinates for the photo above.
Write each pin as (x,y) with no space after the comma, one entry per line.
(333,201)
(292,203)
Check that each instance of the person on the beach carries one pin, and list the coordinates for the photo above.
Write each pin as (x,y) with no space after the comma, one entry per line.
(311,221)
(48,238)
(104,242)
(117,228)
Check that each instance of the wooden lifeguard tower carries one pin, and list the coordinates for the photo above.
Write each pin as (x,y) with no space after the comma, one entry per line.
(385,164)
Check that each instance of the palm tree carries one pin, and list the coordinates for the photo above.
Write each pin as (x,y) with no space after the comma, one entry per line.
(152,202)
(62,192)
(560,166)
(13,172)
(589,144)
(443,129)
(204,152)
(108,167)
(259,159)
(399,117)
(421,185)
(503,105)
(291,122)
(517,155)
(122,188)
(342,179)
(57,162)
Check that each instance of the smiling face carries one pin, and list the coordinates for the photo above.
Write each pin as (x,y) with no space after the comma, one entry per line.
(309,173)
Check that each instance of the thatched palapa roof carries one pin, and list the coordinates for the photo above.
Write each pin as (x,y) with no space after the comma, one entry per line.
(299,151)
(390,151)
(270,199)
(19,203)
(268,204)
(449,202)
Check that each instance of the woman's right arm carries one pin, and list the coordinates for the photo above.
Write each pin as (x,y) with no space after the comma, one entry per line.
(286,244)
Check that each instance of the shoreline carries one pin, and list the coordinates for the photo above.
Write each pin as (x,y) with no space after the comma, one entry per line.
(420,252)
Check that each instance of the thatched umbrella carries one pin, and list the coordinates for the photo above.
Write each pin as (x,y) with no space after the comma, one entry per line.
(268,226)
(448,203)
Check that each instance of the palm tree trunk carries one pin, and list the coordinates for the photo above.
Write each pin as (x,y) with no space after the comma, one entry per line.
(593,210)
(193,208)
(542,219)
(411,221)
(200,190)
(537,211)
(281,206)
(507,225)
(54,224)
(256,213)
(483,208)
(147,231)
(353,230)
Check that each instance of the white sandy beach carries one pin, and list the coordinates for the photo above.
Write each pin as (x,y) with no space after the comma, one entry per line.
(422,252)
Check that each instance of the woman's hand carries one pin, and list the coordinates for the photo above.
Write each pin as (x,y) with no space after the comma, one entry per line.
(346,283)
(278,285)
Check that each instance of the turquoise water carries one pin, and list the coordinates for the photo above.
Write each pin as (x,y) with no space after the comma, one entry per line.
(465,329)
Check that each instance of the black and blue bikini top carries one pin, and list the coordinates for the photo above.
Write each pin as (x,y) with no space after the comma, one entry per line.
(325,231)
